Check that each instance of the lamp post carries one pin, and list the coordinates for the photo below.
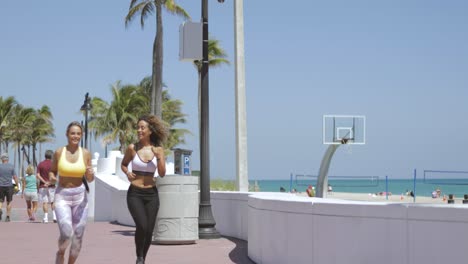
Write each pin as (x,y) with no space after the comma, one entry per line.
(81,141)
(206,222)
(86,107)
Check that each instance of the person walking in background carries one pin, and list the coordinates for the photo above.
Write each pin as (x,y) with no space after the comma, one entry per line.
(7,173)
(310,191)
(146,156)
(29,192)
(46,189)
(73,164)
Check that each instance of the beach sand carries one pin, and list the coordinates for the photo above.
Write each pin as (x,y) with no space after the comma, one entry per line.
(382,198)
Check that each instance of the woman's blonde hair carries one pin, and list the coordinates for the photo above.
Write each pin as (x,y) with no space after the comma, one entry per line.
(74,123)
(30,170)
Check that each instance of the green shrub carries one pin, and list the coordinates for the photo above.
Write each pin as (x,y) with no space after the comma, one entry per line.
(222,185)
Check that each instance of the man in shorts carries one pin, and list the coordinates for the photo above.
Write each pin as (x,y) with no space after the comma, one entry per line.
(46,189)
(7,173)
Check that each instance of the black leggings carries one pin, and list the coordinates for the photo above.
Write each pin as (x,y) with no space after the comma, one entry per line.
(143,205)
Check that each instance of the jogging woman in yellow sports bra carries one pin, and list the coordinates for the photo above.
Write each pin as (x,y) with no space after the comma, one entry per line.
(71,163)
(146,157)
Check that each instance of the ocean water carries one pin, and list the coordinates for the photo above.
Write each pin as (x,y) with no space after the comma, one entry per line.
(457,187)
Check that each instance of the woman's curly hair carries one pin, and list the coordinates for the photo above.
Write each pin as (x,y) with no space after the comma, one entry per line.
(157,126)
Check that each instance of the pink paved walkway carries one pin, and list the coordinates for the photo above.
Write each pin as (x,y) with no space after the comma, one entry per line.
(31,243)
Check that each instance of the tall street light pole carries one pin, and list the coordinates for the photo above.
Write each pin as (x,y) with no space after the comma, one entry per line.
(86,107)
(82,139)
(206,222)
(241,113)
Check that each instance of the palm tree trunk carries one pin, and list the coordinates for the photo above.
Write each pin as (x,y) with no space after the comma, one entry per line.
(156,91)
(19,160)
(34,154)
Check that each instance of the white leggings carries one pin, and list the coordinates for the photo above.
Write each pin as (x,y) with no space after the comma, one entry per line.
(71,208)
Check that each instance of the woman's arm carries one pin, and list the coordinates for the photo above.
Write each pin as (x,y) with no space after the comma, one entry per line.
(89,174)
(161,160)
(54,168)
(128,156)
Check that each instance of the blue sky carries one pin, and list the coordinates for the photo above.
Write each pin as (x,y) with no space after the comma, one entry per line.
(402,64)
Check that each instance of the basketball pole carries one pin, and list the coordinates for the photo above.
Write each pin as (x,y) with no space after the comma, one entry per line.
(338,130)
(322,181)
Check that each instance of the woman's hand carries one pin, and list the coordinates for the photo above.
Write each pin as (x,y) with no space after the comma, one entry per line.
(89,173)
(130,176)
(158,152)
(128,156)
(161,160)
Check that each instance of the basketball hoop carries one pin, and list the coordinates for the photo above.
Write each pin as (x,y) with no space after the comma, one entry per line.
(344,129)
(344,141)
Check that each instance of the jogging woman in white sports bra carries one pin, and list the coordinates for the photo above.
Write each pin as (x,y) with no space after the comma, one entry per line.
(147,157)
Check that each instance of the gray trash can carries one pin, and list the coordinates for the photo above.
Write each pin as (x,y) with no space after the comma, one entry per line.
(177,221)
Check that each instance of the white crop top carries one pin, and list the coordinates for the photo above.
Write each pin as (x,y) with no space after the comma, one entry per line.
(140,166)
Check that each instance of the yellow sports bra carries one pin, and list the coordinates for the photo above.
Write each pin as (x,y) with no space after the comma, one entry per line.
(68,169)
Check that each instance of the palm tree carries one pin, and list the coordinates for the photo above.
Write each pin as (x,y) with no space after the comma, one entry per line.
(146,85)
(20,130)
(25,126)
(115,121)
(216,58)
(6,108)
(146,8)
(172,115)
(43,130)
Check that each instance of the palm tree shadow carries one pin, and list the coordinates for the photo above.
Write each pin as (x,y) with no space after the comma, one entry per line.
(240,253)
(123,232)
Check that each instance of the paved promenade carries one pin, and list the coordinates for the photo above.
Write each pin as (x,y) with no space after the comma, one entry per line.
(36,243)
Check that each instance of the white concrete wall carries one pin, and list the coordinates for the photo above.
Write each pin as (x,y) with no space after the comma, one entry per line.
(110,191)
(231,214)
(111,200)
(284,228)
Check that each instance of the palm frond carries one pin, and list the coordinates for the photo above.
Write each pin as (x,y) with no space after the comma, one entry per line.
(218,62)
(144,8)
(145,12)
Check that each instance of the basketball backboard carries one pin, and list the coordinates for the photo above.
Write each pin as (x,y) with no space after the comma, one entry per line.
(344,129)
